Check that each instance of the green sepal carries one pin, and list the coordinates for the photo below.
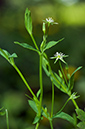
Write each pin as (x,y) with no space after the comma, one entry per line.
(65,116)
(71,80)
(51,44)
(28,21)
(25,45)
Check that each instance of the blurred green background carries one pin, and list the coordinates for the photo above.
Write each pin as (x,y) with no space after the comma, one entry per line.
(70,14)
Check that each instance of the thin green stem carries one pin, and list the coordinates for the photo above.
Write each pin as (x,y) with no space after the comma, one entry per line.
(37,125)
(51,125)
(22,77)
(52,100)
(41,84)
(75,104)
(63,106)
(63,72)
(34,42)
(7,119)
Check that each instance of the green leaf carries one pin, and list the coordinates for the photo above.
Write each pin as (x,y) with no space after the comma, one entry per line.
(28,21)
(4,53)
(36,119)
(76,70)
(25,45)
(8,56)
(81,125)
(71,80)
(81,114)
(65,116)
(59,83)
(14,55)
(33,105)
(51,44)
(45,66)
(38,93)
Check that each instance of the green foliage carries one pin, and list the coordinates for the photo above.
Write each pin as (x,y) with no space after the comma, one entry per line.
(28,21)
(65,116)
(71,80)
(81,116)
(51,44)
(25,45)
(58,81)
(33,105)
(7,56)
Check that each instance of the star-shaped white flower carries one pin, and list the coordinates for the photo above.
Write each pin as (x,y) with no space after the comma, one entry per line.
(50,21)
(59,56)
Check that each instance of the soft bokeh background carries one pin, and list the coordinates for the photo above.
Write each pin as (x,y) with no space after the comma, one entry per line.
(70,14)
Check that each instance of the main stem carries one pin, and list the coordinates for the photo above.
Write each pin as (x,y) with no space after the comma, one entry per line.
(51,125)
(41,84)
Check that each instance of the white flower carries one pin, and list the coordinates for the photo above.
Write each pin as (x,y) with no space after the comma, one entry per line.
(58,56)
(50,21)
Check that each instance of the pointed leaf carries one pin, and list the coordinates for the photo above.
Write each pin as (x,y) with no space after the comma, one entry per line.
(81,114)
(38,93)
(59,83)
(14,55)
(76,70)
(28,21)
(51,44)
(4,53)
(36,119)
(25,45)
(65,116)
(71,80)
(81,125)
(33,105)
(45,66)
